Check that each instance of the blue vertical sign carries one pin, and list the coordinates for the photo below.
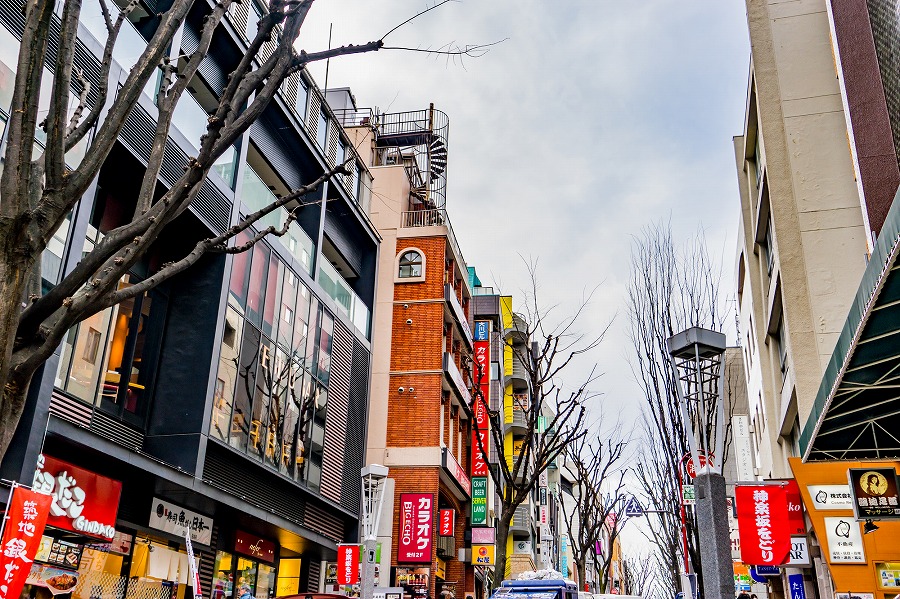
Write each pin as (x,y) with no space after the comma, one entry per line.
(795,582)
(482,330)
(564,555)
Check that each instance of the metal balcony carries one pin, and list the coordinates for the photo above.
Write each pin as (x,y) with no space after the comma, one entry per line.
(453,380)
(459,315)
(433,218)
(523,519)
(446,547)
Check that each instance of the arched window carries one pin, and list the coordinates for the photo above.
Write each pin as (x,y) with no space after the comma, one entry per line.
(410,265)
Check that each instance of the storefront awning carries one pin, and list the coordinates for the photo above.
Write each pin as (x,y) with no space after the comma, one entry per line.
(856,413)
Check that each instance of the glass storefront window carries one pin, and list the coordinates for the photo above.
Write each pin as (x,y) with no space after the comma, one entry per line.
(256,292)
(240,272)
(223,578)
(244,391)
(246,575)
(265,582)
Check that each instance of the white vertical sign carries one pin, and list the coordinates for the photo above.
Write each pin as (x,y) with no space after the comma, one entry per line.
(195,576)
(743,453)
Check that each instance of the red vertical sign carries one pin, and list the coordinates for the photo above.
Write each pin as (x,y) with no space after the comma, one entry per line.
(416,528)
(26,517)
(796,523)
(481,430)
(763,524)
(348,564)
(446,523)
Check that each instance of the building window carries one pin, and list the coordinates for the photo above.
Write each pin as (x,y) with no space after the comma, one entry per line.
(255,14)
(302,100)
(410,265)
(781,347)
(768,247)
(322,130)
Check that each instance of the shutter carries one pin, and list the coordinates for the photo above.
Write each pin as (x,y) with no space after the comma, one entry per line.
(336,431)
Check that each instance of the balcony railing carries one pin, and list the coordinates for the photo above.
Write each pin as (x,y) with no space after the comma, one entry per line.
(456,378)
(433,218)
(458,313)
(522,519)
(339,290)
(446,547)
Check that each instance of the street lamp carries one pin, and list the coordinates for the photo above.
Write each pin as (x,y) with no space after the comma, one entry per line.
(373,477)
(696,358)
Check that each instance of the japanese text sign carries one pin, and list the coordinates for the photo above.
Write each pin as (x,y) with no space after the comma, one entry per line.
(348,564)
(447,523)
(178,520)
(763,524)
(416,528)
(26,518)
(845,544)
(795,583)
(250,544)
(479,500)
(483,555)
(81,501)
(481,430)
(875,493)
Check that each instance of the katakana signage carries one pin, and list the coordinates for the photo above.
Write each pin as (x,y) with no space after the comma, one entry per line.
(481,437)
(81,501)
(26,517)
(348,564)
(416,528)
(763,524)
(875,493)
(447,522)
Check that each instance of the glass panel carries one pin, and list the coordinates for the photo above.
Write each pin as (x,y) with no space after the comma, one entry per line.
(240,272)
(226,166)
(275,440)
(227,376)
(286,310)
(255,14)
(315,317)
(293,403)
(9,58)
(258,271)
(322,130)
(246,578)
(246,381)
(147,333)
(301,318)
(51,258)
(323,351)
(265,582)
(307,396)
(273,296)
(335,286)
(80,368)
(261,437)
(319,409)
(223,581)
(302,100)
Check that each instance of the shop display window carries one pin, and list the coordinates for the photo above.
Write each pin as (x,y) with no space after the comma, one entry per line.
(156,569)
(223,577)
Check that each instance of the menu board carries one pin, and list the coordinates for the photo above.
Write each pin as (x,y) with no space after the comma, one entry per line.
(56,552)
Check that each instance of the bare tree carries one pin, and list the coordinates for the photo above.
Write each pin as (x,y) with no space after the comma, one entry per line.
(640,576)
(38,190)
(545,347)
(590,517)
(669,291)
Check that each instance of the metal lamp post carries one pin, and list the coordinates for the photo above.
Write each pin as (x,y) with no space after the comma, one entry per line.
(697,360)
(373,477)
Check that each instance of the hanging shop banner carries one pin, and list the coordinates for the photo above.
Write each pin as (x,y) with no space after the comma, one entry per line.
(762,524)
(26,517)
(795,583)
(81,501)
(416,528)
(483,555)
(875,493)
(176,520)
(447,523)
(845,544)
(481,431)
(830,497)
(253,546)
(478,516)
(348,564)
(484,536)
(195,576)
(796,522)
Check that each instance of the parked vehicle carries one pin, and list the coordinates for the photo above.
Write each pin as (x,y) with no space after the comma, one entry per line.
(536,589)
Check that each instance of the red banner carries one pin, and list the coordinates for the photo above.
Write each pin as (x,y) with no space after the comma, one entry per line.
(482,376)
(348,564)
(763,524)
(26,518)
(81,501)
(446,523)
(796,523)
(416,528)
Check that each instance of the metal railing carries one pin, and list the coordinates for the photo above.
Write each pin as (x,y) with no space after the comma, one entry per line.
(433,218)
(354,117)
(455,375)
(458,313)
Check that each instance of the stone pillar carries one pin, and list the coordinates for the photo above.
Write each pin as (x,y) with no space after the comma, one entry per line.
(715,542)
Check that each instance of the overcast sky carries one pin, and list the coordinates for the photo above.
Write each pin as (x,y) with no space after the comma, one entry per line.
(593,119)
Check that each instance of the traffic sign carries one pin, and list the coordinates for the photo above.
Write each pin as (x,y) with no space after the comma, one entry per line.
(691,468)
(633,508)
(687,495)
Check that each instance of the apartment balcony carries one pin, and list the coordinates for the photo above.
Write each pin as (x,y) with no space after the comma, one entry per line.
(520,377)
(459,315)
(453,381)
(446,547)
(518,424)
(523,519)
(437,218)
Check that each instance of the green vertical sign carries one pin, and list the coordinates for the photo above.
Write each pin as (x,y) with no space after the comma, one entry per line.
(479,500)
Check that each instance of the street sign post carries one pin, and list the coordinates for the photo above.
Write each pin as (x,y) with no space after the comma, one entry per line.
(633,508)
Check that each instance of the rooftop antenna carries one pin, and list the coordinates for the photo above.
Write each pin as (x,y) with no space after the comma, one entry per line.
(327,64)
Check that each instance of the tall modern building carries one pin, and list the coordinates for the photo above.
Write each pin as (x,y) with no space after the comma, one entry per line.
(228,403)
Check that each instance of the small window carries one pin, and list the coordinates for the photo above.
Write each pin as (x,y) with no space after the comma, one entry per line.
(302,100)
(410,265)
(322,130)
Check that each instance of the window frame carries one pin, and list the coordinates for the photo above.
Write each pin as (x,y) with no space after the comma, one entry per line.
(398,278)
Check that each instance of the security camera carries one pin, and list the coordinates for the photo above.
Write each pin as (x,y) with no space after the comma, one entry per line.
(411,389)
(406,306)
(409,321)
(401,390)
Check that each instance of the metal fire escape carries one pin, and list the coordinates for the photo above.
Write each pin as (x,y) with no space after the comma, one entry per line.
(418,140)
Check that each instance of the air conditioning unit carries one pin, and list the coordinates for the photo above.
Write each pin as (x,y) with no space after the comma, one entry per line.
(464,555)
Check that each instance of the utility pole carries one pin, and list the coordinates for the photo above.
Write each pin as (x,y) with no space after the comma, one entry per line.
(373,477)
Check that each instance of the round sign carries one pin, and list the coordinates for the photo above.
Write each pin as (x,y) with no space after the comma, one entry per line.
(689,464)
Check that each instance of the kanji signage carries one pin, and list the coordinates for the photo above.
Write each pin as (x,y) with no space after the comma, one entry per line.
(875,493)
(481,438)
(483,555)
(447,523)
(795,583)
(845,544)
(348,564)
(81,501)
(26,517)
(830,497)
(691,469)
(478,516)
(762,524)
(253,546)
(177,520)
(416,528)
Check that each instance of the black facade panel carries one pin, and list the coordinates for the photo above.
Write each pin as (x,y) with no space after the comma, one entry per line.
(338,234)
(336,433)
(886,31)
(356,427)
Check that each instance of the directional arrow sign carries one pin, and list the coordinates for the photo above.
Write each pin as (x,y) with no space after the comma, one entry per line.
(633,507)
